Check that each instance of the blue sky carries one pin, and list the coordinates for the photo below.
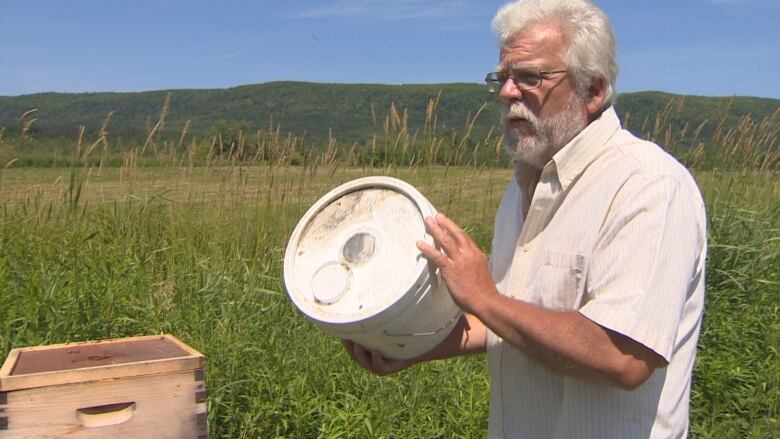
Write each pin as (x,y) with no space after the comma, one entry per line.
(701,47)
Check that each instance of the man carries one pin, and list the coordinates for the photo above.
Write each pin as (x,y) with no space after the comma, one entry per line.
(590,308)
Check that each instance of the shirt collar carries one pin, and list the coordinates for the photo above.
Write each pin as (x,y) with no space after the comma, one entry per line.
(585,147)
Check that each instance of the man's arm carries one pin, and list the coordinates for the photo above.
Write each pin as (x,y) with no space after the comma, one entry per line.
(570,343)
(468,337)
(565,341)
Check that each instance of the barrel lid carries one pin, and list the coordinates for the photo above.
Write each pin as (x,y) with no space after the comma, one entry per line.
(354,253)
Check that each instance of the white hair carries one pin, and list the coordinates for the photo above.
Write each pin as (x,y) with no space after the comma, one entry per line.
(590,41)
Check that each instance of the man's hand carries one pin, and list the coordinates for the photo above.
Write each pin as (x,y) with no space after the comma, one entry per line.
(373,361)
(467,337)
(463,265)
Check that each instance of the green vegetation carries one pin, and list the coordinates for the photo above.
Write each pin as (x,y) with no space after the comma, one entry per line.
(349,114)
(188,238)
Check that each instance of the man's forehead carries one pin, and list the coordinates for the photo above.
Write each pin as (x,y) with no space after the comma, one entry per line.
(533,44)
(536,34)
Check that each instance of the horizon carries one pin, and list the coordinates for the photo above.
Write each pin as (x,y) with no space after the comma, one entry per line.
(710,48)
(173,90)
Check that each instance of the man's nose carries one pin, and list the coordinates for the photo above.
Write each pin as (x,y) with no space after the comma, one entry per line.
(509,91)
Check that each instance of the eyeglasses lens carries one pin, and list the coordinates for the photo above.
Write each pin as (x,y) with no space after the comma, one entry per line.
(527,80)
(522,79)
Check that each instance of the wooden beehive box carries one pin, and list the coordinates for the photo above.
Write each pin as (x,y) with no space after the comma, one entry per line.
(138,387)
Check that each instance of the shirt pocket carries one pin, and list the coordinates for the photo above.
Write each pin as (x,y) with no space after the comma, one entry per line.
(557,280)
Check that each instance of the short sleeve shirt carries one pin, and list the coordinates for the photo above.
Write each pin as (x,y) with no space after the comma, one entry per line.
(616,230)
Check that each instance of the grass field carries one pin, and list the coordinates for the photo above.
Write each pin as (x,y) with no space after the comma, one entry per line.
(96,252)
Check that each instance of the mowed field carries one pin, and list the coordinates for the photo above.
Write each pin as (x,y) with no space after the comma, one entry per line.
(90,253)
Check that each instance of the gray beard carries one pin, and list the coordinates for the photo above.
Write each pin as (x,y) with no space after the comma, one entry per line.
(550,134)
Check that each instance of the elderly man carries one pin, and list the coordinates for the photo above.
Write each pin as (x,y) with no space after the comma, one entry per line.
(590,307)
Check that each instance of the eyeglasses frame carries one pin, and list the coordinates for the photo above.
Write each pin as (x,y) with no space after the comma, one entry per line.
(539,72)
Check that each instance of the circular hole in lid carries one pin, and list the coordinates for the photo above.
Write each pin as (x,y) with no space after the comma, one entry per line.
(359,248)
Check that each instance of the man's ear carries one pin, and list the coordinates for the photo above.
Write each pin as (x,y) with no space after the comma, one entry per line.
(596,96)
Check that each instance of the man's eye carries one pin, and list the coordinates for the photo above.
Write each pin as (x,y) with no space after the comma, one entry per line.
(525,77)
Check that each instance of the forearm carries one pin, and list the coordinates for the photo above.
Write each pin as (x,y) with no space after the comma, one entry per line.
(568,342)
(468,337)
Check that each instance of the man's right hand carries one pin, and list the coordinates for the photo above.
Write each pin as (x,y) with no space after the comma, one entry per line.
(373,361)
(468,337)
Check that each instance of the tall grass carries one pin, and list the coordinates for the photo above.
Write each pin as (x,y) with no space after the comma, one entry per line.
(751,145)
(187,237)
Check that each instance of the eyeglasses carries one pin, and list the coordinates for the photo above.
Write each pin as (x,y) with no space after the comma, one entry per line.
(526,78)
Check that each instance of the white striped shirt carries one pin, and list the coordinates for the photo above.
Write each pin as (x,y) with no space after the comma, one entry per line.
(616,229)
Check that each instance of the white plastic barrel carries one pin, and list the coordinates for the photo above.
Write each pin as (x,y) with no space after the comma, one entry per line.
(353,268)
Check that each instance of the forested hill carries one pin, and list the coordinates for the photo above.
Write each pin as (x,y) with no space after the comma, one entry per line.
(351,111)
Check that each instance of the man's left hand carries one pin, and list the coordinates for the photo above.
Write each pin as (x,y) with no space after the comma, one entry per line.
(463,265)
